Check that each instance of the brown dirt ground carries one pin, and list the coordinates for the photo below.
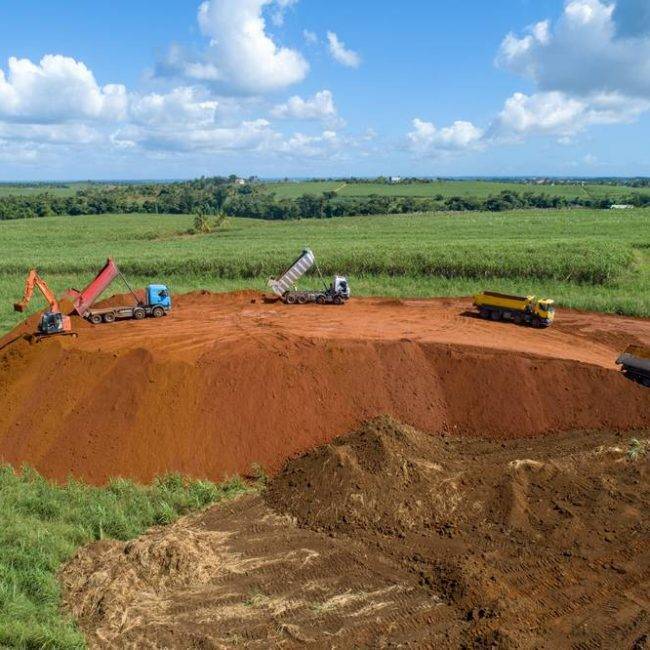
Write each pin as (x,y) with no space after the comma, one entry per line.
(392,537)
(227,381)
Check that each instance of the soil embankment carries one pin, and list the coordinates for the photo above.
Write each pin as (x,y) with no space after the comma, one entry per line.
(227,381)
(390,537)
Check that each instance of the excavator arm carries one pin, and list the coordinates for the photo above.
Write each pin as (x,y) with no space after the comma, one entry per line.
(34,280)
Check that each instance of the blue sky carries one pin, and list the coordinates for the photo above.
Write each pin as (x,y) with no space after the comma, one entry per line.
(303,88)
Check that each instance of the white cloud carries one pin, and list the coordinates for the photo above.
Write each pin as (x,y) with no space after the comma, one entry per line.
(58,89)
(241,55)
(591,67)
(301,145)
(248,135)
(309,36)
(319,107)
(342,54)
(558,114)
(585,53)
(180,106)
(59,134)
(426,138)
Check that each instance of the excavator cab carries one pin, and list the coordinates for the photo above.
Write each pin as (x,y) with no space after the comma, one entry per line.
(53,323)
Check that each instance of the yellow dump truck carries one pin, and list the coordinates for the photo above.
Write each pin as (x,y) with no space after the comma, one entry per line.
(519,309)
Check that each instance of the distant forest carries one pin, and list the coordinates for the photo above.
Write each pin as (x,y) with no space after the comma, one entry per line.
(253,199)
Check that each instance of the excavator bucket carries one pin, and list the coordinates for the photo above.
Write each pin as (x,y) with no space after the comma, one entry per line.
(19,306)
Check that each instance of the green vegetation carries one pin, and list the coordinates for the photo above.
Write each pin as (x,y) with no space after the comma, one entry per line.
(316,200)
(446,189)
(637,448)
(587,259)
(42,524)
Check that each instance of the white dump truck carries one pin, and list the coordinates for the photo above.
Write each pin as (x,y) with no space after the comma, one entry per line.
(284,286)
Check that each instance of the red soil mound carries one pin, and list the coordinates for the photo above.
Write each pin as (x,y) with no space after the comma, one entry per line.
(389,537)
(224,383)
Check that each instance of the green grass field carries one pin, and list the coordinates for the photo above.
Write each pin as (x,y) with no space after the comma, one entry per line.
(28,190)
(582,258)
(479,189)
(41,526)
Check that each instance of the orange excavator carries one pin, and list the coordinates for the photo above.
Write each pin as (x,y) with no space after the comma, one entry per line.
(52,321)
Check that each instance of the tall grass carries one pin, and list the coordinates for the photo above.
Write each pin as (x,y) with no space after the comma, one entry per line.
(590,252)
(42,524)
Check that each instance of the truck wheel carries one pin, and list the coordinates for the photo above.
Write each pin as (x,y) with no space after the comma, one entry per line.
(157,312)
(484,313)
(290,299)
(320,300)
(517,319)
(495,315)
(109,317)
(302,300)
(139,313)
(337,300)
(95,319)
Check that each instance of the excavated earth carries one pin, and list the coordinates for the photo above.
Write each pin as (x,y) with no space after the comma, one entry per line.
(228,381)
(393,537)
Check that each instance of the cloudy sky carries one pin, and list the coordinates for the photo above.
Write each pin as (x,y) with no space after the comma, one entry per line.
(180,88)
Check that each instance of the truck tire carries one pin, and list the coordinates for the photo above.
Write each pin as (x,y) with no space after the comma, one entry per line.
(109,317)
(484,313)
(157,312)
(320,300)
(302,299)
(290,299)
(495,315)
(337,300)
(95,319)
(516,318)
(139,313)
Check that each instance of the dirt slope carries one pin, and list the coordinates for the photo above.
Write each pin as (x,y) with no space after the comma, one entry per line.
(392,537)
(227,381)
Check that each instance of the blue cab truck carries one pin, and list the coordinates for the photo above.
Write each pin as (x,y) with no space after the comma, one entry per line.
(158,303)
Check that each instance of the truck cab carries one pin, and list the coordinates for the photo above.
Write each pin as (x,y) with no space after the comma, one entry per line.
(158,295)
(545,311)
(340,287)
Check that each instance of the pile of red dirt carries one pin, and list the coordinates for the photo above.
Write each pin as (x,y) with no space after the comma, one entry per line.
(391,537)
(226,382)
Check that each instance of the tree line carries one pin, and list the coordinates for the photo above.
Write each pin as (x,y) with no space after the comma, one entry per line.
(232,197)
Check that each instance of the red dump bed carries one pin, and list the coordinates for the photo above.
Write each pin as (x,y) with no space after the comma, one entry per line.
(83,300)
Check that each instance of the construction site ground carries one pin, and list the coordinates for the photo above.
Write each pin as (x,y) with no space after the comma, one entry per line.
(391,537)
(436,480)
(229,381)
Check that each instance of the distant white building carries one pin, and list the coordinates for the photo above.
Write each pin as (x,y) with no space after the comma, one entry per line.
(622,206)
(240,181)
(395,179)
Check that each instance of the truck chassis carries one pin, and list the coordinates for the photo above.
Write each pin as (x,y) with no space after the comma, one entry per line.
(304,297)
(138,312)
(518,317)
